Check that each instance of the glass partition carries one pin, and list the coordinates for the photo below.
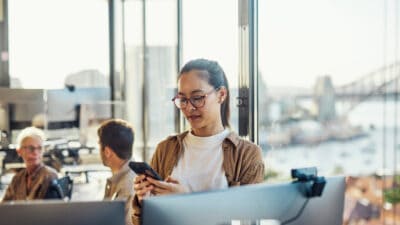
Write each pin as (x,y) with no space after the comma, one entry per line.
(151,70)
(160,69)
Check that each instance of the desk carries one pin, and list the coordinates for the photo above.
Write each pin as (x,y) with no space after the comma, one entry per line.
(84,169)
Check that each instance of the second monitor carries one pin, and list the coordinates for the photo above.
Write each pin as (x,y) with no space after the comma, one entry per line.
(282,202)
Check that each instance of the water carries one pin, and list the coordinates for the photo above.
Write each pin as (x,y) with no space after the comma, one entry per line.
(362,156)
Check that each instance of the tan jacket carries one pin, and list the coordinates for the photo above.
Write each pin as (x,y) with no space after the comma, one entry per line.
(41,178)
(243,162)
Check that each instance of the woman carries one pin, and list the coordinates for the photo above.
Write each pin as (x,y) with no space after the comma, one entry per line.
(209,156)
(32,182)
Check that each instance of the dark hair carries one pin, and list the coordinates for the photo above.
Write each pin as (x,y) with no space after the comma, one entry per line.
(118,135)
(216,77)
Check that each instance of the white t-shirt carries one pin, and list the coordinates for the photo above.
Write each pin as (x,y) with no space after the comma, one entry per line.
(200,167)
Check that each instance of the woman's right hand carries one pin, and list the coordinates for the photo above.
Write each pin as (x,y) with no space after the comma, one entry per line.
(142,187)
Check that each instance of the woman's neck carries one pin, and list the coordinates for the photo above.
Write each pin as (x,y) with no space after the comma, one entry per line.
(32,169)
(208,131)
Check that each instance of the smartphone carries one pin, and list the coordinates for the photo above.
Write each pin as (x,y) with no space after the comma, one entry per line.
(144,168)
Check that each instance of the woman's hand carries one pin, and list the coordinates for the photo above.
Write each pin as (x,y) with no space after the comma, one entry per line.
(142,187)
(169,186)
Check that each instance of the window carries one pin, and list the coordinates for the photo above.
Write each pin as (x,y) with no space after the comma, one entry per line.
(209,33)
(325,67)
(67,38)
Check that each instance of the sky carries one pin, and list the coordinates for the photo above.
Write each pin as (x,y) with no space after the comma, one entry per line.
(343,39)
(298,40)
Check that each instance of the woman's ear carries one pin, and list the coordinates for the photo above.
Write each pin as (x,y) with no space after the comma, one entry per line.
(222,94)
(18,151)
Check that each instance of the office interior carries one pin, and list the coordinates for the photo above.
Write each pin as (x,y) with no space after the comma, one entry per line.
(314,83)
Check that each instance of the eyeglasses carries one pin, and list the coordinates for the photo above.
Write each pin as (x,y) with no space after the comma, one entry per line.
(32,148)
(197,101)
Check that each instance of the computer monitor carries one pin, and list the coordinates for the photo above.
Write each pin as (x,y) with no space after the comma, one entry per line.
(280,202)
(63,213)
(62,105)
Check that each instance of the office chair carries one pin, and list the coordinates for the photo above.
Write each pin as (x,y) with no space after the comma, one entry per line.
(60,188)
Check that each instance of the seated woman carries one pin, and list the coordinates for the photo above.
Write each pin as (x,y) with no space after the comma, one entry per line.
(33,181)
(209,156)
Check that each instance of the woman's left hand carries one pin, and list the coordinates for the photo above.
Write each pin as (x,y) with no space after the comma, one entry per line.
(169,186)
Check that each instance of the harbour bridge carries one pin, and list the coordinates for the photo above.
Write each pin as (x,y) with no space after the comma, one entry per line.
(380,83)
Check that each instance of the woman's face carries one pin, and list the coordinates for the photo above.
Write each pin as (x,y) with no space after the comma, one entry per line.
(31,151)
(204,118)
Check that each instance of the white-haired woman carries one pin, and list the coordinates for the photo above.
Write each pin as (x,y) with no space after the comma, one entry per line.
(33,181)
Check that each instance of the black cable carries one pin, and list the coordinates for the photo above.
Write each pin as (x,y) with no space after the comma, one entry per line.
(298,214)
